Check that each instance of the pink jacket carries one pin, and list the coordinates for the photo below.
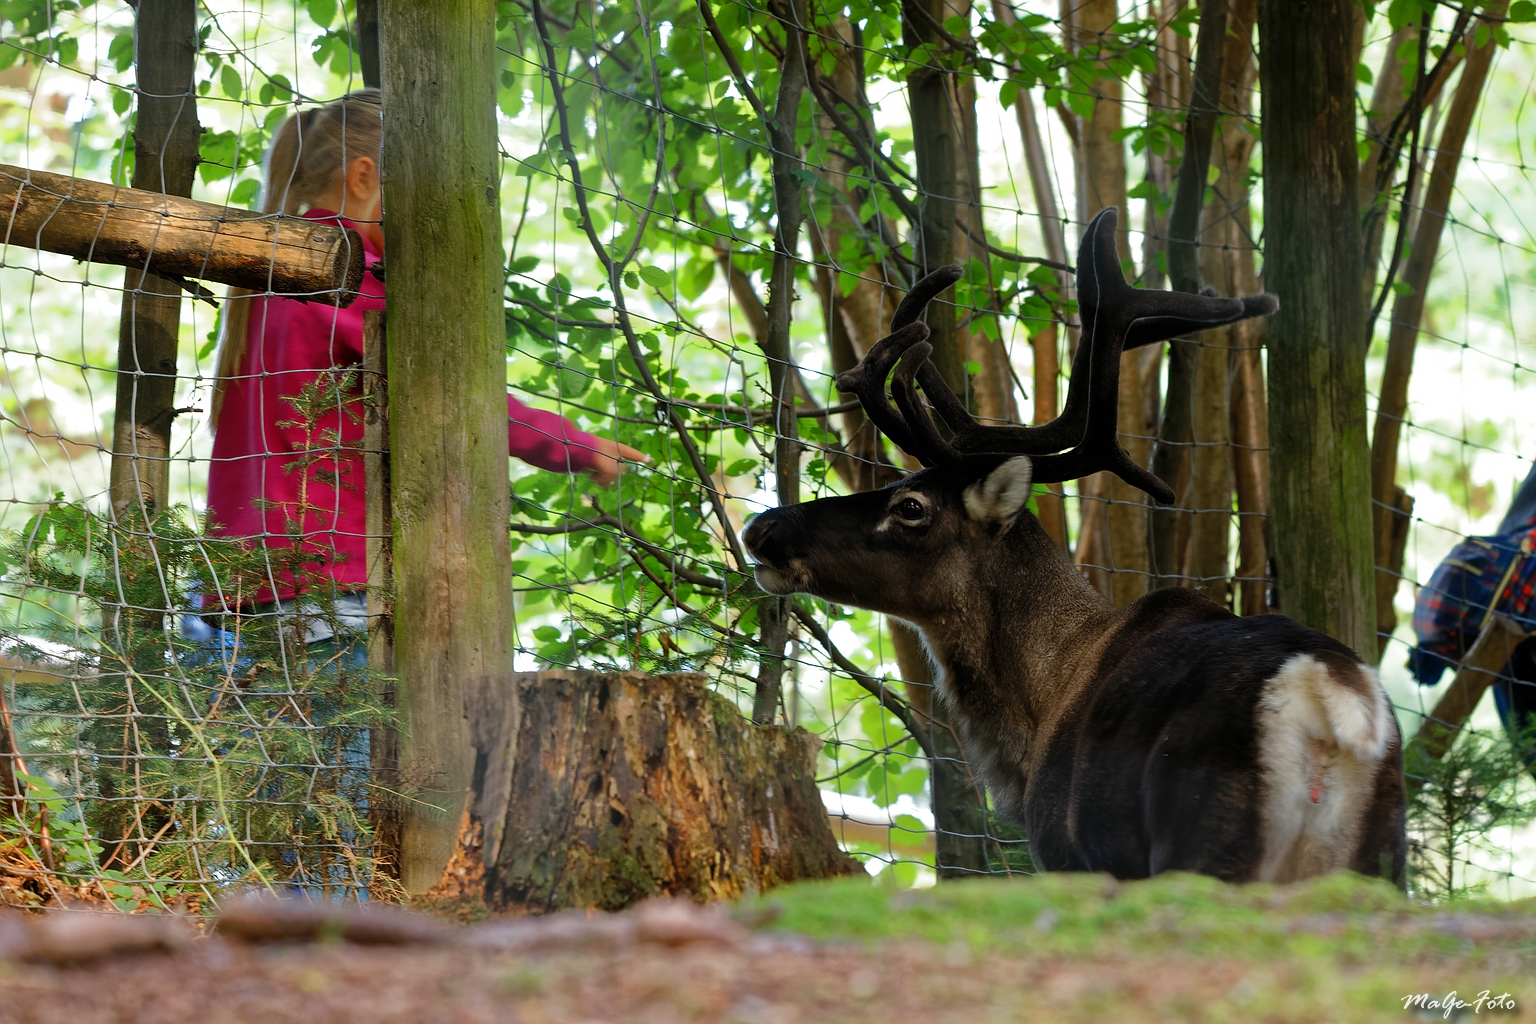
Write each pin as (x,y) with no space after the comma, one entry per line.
(254,495)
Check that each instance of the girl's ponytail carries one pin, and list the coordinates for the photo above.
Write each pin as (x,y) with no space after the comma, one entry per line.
(310,150)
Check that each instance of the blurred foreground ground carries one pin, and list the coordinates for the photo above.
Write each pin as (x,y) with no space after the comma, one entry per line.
(1058,948)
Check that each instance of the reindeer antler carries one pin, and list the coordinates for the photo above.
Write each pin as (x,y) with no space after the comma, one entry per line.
(1115,316)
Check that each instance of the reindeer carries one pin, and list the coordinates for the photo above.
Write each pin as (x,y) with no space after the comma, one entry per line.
(1169,735)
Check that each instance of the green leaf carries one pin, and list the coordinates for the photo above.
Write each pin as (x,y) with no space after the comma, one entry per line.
(120,51)
(656,278)
(1522,10)
(229,81)
(741,467)
(1213,174)
(546,634)
(1363,74)
(523,264)
(972,367)
(282,87)
(122,99)
(631,279)
(245,193)
(322,12)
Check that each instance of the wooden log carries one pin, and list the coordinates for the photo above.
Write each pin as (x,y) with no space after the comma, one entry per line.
(174,237)
(448,399)
(1479,670)
(607,789)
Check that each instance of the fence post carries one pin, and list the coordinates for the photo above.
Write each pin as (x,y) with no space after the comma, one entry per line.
(1314,261)
(447,400)
(165,150)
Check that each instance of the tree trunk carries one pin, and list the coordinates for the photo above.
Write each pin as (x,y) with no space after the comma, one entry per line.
(1407,312)
(947,177)
(1044,343)
(961,835)
(447,400)
(368,41)
(854,321)
(1314,262)
(773,614)
(1170,527)
(1101,183)
(384,809)
(165,147)
(594,790)
(1224,236)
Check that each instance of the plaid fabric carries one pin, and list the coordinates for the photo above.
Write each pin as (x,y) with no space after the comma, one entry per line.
(1451,607)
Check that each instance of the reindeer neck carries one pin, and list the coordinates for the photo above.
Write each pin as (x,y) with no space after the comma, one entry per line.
(1026,639)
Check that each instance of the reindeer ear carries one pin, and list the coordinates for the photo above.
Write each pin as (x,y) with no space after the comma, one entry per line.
(997,497)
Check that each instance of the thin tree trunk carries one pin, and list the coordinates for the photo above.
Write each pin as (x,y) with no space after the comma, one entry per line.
(773,613)
(1167,88)
(1223,234)
(447,401)
(944,102)
(1248,406)
(1170,527)
(368,41)
(1314,262)
(854,321)
(1045,343)
(165,149)
(1101,183)
(1387,103)
(1407,312)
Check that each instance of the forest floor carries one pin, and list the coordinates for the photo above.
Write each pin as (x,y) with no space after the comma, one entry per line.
(1055,948)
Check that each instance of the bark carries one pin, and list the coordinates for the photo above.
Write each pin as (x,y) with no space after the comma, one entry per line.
(773,613)
(178,238)
(1379,166)
(165,145)
(384,811)
(1167,89)
(1225,238)
(1250,464)
(1407,313)
(1044,343)
(854,321)
(598,791)
(964,831)
(368,41)
(1314,262)
(1122,546)
(948,177)
(447,400)
(1170,527)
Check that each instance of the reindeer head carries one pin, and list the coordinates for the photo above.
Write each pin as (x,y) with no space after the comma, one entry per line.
(916,548)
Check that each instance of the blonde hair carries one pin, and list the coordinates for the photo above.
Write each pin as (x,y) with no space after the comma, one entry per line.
(308,154)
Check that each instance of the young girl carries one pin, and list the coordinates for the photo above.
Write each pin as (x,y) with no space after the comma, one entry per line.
(283,464)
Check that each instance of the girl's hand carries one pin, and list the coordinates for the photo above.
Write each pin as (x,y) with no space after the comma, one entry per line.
(610,459)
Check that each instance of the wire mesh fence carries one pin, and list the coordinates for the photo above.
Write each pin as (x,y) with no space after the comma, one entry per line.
(188,705)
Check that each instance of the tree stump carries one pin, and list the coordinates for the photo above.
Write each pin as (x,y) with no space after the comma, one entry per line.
(624,786)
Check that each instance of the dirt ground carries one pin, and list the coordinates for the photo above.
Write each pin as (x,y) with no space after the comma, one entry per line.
(767,981)
(684,964)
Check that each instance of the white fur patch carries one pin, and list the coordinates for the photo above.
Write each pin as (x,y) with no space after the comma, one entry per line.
(1320,744)
(999,496)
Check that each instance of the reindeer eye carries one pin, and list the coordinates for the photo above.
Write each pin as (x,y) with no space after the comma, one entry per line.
(910,509)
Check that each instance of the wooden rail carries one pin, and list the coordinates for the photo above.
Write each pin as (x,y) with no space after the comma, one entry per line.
(179,238)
